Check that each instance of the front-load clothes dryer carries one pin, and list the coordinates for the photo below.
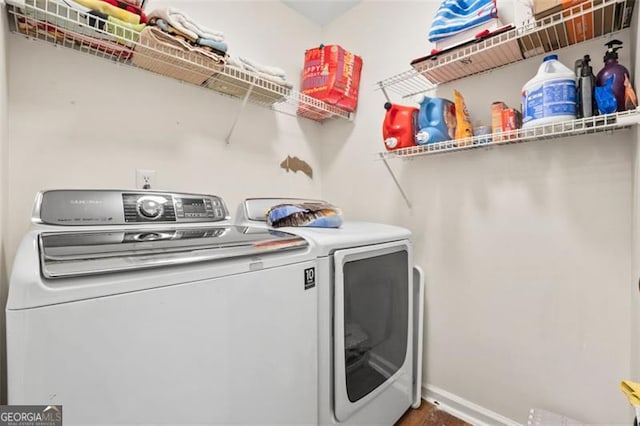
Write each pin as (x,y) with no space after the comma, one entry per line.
(152,308)
(369,317)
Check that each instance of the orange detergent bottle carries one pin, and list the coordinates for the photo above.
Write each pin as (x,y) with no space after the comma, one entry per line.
(400,126)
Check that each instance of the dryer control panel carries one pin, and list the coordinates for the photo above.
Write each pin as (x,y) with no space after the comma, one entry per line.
(111,207)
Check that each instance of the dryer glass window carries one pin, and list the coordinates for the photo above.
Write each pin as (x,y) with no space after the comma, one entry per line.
(376,293)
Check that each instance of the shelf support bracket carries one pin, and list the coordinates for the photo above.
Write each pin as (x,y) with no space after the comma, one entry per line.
(384,92)
(242,107)
(395,180)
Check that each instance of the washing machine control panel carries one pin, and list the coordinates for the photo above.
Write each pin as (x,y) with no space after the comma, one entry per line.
(158,207)
(106,207)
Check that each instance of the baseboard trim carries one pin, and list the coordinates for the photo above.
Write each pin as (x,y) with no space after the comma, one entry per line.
(463,409)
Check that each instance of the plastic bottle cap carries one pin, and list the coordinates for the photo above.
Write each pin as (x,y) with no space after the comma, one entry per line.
(391,142)
(550,58)
(422,136)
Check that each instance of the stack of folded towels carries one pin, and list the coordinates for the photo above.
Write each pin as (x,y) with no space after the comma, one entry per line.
(124,13)
(176,23)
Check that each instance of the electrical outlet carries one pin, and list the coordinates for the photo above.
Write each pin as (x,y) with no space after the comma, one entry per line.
(145,179)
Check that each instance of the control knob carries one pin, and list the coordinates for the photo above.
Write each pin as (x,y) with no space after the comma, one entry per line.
(150,207)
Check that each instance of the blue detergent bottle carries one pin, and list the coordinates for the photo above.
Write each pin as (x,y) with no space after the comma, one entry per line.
(436,120)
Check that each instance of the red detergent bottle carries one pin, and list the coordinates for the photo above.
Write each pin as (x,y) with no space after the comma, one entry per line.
(612,67)
(399,126)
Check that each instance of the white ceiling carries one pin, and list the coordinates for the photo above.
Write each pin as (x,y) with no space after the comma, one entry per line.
(321,11)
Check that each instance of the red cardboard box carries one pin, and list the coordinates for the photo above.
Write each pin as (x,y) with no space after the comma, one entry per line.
(331,74)
(496,118)
(511,120)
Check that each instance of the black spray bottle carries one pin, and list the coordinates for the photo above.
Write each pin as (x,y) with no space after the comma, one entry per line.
(585,84)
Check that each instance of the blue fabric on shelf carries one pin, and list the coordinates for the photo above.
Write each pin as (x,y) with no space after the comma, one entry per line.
(163,25)
(218,45)
(455,16)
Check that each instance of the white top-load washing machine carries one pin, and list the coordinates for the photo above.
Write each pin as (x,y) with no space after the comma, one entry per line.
(152,308)
(370,317)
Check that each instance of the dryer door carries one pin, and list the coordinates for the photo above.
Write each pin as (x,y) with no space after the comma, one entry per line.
(372,330)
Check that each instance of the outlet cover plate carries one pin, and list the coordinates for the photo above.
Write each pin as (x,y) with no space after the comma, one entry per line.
(145,179)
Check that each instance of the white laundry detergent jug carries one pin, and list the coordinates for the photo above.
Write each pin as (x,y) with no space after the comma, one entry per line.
(550,96)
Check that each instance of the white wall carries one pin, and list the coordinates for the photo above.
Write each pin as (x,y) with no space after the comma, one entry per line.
(88,123)
(526,248)
(4,259)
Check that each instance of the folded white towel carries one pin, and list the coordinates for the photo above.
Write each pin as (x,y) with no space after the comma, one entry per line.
(234,62)
(265,69)
(242,63)
(182,22)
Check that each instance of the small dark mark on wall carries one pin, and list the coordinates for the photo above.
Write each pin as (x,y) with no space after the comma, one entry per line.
(295,164)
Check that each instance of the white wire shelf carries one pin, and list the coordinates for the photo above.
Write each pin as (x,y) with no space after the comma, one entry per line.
(586,21)
(56,23)
(598,124)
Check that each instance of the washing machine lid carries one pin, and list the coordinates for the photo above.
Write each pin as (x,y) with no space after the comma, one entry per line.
(69,254)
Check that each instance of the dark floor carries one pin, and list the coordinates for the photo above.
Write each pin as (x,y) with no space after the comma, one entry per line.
(429,415)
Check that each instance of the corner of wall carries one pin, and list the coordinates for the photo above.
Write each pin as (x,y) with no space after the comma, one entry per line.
(4,281)
(464,409)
